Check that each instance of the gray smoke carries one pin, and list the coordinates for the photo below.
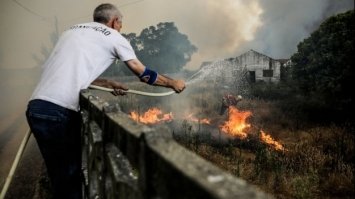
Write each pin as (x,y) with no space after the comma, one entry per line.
(288,22)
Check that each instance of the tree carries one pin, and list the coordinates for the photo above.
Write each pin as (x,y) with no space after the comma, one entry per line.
(45,50)
(163,47)
(323,67)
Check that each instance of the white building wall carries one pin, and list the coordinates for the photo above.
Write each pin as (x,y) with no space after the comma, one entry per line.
(249,61)
(258,62)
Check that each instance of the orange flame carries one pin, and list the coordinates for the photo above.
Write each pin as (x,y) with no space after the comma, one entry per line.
(152,116)
(270,141)
(236,123)
(201,121)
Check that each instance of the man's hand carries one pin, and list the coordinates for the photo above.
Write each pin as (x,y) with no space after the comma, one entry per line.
(118,87)
(178,85)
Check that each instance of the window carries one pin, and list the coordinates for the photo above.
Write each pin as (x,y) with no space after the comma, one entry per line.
(268,73)
(251,76)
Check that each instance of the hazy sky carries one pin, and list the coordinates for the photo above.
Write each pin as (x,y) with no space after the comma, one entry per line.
(219,28)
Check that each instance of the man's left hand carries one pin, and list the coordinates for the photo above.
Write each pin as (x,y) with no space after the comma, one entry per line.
(119,88)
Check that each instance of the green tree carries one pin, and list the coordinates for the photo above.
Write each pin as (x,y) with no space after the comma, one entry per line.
(163,47)
(323,67)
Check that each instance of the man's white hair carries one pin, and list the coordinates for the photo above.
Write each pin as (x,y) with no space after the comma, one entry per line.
(104,12)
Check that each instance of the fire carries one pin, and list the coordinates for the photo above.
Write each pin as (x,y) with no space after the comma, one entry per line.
(152,116)
(236,123)
(201,121)
(270,141)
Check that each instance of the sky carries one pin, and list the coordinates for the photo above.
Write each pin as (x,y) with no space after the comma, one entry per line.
(219,29)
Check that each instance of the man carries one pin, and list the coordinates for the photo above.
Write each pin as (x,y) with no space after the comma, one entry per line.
(229,100)
(82,53)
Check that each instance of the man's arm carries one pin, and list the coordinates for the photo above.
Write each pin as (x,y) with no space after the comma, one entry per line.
(117,86)
(138,69)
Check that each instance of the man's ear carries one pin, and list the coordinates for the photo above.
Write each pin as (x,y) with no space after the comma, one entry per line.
(113,23)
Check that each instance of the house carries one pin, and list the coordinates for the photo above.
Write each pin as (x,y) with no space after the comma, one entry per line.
(258,67)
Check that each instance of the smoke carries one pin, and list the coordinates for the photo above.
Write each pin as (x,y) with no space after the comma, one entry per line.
(226,25)
(272,27)
(227,28)
(220,29)
(285,23)
(215,27)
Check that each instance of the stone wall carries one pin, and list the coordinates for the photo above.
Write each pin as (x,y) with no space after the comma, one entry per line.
(124,159)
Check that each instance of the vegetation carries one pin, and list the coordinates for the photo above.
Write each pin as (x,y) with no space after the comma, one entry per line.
(311,112)
(317,87)
(46,50)
(323,69)
(162,48)
(307,112)
(317,161)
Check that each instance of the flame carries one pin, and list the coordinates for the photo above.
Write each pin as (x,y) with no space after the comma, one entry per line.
(152,116)
(201,121)
(236,123)
(270,141)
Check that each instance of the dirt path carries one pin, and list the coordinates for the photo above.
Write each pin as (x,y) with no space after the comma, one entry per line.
(11,135)
(30,176)
(16,87)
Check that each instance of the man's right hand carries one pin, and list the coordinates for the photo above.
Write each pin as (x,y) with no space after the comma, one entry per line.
(178,85)
(138,68)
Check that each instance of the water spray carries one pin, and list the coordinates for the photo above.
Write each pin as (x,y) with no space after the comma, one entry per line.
(213,67)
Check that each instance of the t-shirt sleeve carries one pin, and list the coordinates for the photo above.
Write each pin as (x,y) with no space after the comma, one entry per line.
(124,50)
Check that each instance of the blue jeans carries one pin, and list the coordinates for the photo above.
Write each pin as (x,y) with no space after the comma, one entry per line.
(57,131)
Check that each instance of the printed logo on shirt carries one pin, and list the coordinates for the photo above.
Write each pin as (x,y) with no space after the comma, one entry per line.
(96,28)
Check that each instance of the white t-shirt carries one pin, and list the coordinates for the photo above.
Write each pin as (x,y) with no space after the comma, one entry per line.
(82,53)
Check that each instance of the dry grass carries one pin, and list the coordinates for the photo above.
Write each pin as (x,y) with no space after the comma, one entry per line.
(317,162)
